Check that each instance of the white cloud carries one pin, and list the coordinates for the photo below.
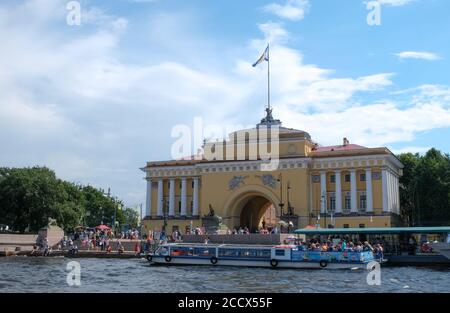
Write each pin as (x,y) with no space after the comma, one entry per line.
(273,33)
(429,56)
(305,87)
(69,100)
(371,124)
(411,149)
(313,99)
(395,3)
(292,10)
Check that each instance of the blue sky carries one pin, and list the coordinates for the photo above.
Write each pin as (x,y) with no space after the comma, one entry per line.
(96,101)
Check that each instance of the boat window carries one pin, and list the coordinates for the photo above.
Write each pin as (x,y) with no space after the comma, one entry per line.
(204,252)
(178,251)
(279,252)
(162,251)
(244,253)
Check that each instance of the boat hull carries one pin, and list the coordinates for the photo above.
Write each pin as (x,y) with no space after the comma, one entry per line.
(161,260)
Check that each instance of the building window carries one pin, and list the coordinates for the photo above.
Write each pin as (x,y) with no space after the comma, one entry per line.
(347,178)
(362,177)
(180,185)
(376,175)
(333,203)
(332,179)
(362,225)
(363,202)
(346,226)
(192,184)
(316,178)
(179,207)
(348,205)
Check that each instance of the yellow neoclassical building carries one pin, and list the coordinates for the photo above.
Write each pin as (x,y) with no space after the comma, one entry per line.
(346,185)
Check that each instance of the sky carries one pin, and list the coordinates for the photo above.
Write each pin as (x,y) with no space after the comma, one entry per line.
(96,101)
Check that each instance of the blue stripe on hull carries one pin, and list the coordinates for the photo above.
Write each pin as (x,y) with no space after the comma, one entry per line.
(179,260)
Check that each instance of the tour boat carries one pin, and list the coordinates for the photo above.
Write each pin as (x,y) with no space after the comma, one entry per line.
(282,256)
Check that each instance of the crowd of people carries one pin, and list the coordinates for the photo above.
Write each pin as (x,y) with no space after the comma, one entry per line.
(337,244)
(100,240)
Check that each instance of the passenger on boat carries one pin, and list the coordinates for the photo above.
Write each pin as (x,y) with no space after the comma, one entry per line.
(330,247)
(425,248)
(378,251)
(367,246)
(358,247)
(351,246)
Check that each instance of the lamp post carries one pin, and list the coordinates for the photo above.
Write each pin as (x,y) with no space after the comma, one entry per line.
(324,208)
(165,218)
(140,220)
(115,214)
(281,204)
(289,203)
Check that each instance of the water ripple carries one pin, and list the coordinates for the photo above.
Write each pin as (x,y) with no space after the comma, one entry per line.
(136,275)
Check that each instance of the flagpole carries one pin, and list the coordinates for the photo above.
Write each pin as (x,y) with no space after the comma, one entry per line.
(268,76)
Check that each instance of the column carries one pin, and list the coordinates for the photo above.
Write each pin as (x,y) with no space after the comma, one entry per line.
(353,192)
(397,204)
(369,195)
(394,194)
(148,204)
(195,198)
(393,201)
(389,180)
(183,197)
(172,197)
(160,198)
(338,192)
(323,191)
(397,189)
(384,187)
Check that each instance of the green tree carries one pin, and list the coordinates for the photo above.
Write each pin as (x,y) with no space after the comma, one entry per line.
(100,206)
(131,217)
(29,196)
(425,188)
(408,187)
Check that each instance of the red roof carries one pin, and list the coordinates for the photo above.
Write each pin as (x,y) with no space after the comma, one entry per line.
(339,148)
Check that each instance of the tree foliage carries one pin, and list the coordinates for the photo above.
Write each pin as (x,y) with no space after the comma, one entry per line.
(29,196)
(425,188)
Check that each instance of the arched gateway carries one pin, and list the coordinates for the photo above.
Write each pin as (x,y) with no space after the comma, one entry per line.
(246,207)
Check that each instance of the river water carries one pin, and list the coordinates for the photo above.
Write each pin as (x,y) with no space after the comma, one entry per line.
(22,274)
